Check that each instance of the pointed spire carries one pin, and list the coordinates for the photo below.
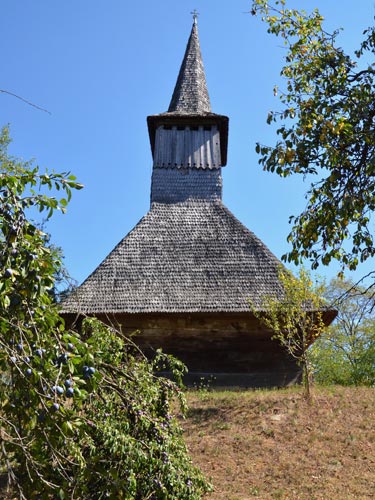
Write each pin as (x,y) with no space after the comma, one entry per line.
(190,93)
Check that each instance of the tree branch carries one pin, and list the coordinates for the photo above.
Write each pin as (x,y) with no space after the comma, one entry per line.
(24,100)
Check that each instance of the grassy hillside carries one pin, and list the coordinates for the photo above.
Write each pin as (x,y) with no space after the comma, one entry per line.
(273,445)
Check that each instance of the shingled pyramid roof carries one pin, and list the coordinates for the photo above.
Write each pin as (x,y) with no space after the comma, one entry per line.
(188,253)
(186,257)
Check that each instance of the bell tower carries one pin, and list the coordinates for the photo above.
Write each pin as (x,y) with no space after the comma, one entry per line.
(188,142)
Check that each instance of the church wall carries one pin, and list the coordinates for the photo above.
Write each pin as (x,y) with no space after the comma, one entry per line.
(233,349)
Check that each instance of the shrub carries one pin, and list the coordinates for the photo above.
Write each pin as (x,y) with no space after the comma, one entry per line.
(82,414)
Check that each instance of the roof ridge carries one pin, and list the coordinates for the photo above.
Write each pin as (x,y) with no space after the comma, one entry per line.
(190,94)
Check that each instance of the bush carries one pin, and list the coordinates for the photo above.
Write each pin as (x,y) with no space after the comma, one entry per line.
(82,414)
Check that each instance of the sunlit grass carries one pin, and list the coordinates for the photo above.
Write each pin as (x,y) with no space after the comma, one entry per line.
(273,444)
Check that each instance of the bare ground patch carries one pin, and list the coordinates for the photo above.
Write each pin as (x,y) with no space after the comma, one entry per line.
(273,445)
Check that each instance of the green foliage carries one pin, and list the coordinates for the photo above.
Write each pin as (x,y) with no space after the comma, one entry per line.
(346,353)
(296,319)
(325,130)
(82,415)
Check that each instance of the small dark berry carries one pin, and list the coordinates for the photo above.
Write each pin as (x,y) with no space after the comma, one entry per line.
(57,389)
(69,392)
(8,273)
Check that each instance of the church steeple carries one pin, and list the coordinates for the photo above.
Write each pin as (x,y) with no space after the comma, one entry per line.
(190,93)
(188,142)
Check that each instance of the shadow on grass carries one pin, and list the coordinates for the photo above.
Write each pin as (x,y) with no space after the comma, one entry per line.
(199,415)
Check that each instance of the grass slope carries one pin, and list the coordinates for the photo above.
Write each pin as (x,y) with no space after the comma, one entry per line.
(273,445)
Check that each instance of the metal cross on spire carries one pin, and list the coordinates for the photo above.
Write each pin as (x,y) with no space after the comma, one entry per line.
(195,14)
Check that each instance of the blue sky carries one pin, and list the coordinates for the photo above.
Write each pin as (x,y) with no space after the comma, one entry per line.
(100,67)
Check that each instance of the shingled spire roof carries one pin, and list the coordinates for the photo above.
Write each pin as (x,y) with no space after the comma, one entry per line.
(190,93)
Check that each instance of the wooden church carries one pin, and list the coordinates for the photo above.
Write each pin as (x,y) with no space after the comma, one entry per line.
(184,274)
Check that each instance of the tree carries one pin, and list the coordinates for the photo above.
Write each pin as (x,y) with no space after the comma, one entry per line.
(325,132)
(345,354)
(82,414)
(296,319)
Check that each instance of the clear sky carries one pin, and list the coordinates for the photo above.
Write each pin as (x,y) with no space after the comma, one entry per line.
(100,67)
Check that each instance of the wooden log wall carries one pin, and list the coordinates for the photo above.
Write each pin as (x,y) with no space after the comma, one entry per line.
(233,349)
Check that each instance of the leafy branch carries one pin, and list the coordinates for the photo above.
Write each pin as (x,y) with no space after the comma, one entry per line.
(326,130)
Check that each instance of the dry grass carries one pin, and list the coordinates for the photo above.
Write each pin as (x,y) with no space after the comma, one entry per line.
(273,445)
